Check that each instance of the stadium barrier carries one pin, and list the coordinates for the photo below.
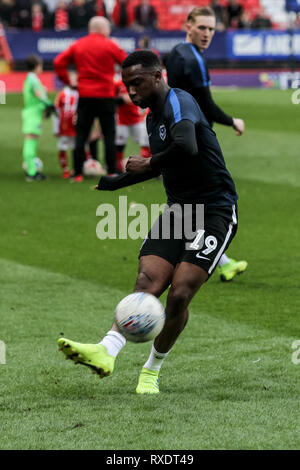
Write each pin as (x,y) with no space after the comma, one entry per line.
(246,45)
(262,48)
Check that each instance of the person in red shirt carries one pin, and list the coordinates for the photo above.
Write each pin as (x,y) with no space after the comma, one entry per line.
(37,17)
(123,14)
(61,16)
(95,57)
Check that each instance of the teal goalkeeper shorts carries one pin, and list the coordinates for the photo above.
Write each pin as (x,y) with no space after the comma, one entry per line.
(32,121)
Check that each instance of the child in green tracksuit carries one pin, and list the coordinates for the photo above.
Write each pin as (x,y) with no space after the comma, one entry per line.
(36,103)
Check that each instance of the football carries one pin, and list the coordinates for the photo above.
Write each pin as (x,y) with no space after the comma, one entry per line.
(38,163)
(92,167)
(140,317)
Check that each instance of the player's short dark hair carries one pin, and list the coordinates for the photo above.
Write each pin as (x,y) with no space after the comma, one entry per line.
(32,61)
(147,59)
(200,11)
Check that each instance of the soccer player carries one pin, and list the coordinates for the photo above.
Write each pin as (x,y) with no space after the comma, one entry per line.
(36,103)
(64,125)
(186,152)
(187,69)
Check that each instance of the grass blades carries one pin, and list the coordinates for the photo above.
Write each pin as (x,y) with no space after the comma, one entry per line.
(229,382)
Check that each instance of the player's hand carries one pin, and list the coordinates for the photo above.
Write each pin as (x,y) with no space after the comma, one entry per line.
(103,182)
(239,126)
(50,109)
(138,164)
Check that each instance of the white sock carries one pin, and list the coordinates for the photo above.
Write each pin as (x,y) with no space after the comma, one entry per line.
(114,342)
(155,359)
(223,260)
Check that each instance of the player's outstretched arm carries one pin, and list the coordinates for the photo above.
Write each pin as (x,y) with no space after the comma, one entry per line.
(112,183)
(239,126)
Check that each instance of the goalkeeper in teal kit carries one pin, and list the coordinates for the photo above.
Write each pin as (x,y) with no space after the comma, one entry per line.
(36,105)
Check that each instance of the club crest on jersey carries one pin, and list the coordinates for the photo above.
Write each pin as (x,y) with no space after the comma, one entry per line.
(162,132)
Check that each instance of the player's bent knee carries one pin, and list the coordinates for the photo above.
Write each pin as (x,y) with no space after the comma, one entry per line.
(180,296)
(145,283)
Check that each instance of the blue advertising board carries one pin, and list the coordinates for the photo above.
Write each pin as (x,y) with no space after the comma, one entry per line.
(292,5)
(232,45)
(48,44)
(263,45)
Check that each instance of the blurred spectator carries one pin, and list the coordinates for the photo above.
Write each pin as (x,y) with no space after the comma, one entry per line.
(261,20)
(61,16)
(233,11)
(100,8)
(7,9)
(80,12)
(220,15)
(123,14)
(40,18)
(297,21)
(145,43)
(145,15)
(52,5)
(24,13)
(244,21)
(37,17)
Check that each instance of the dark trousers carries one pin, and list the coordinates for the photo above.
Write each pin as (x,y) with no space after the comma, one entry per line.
(87,110)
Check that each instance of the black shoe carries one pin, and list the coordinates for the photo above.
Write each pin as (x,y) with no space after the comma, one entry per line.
(37,177)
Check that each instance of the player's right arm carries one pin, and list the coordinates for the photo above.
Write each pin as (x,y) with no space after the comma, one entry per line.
(182,73)
(61,63)
(118,53)
(112,183)
(213,112)
(39,91)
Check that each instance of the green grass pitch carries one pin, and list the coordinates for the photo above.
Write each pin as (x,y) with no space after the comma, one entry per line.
(229,382)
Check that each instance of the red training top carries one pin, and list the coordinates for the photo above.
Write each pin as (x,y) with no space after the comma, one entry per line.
(128,114)
(66,106)
(95,57)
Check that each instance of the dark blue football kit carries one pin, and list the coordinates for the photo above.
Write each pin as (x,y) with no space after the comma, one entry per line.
(188,156)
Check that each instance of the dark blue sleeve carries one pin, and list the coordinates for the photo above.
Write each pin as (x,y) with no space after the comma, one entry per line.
(181,106)
(197,70)
(187,68)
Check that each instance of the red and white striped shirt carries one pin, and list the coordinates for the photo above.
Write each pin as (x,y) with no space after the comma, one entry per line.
(66,106)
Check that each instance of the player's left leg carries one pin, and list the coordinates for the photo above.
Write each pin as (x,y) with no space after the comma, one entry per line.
(62,146)
(29,157)
(196,264)
(187,280)
(106,114)
(31,128)
(30,152)
(93,140)
(85,118)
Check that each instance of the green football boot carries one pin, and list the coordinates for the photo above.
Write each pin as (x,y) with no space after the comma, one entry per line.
(148,382)
(94,356)
(231,269)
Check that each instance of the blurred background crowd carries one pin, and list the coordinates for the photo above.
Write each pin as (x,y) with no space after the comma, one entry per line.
(63,15)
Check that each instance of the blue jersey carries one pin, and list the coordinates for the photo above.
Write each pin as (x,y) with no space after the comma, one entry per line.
(186,68)
(203,178)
